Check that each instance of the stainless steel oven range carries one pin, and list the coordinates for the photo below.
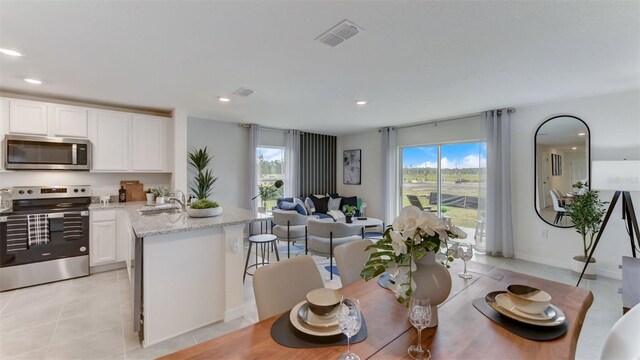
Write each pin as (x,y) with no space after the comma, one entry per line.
(45,237)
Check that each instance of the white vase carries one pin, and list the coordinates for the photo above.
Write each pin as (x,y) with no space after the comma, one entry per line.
(433,281)
(577,264)
(160,200)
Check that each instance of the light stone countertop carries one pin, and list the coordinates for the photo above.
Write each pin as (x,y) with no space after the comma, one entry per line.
(167,223)
(109,206)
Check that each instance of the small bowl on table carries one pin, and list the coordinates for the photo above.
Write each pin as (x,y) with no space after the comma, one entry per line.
(529,299)
(323,301)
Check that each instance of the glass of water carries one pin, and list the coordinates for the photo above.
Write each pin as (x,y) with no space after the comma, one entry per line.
(350,320)
(420,317)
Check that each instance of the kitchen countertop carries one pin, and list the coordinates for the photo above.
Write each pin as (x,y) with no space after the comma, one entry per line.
(167,223)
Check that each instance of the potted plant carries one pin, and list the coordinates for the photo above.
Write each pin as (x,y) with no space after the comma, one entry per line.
(349,211)
(160,192)
(199,160)
(204,208)
(266,192)
(586,212)
(150,196)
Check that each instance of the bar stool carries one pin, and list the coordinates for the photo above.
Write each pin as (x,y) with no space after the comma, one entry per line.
(264,243)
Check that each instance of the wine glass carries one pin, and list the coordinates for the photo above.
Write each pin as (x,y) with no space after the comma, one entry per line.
(420,317)
(465,252)
(350,320)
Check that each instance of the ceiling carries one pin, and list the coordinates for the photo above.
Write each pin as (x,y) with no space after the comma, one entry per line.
(562,132)
(415,61)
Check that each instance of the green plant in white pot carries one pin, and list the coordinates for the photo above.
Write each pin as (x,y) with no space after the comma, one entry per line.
(586,212)
(199,160)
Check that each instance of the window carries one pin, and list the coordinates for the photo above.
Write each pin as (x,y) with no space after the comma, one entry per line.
(448,179)
(271,162)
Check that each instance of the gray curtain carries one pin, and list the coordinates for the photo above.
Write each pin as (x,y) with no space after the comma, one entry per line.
(317,164)
(292,185)
(499,227)
(254,171)
(390,173)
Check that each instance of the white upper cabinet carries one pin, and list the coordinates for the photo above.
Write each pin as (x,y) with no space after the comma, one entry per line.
(149,142)
(27,117)
(109,134)
(70,121)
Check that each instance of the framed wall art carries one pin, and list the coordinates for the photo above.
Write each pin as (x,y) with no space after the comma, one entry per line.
(352,170)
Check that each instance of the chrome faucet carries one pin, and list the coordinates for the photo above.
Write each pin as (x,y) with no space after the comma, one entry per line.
(182,200)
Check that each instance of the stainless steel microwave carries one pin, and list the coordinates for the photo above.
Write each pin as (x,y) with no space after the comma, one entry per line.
(46,153)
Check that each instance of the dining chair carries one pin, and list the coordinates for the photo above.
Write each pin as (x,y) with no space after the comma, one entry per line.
(622,340)
(323,236)
(560,211)
(278,287)
(289,226)
(350,259)
(559,196)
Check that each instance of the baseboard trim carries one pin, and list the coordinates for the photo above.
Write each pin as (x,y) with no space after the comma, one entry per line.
(234,313)
(612,274)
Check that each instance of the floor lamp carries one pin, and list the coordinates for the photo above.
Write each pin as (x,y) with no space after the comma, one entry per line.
(621,177)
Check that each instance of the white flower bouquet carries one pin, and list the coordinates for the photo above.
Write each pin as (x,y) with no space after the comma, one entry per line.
(413,233)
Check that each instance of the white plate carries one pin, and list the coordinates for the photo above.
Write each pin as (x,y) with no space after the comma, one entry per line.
(559,319)
(312,319)
(308,329)
(505,301)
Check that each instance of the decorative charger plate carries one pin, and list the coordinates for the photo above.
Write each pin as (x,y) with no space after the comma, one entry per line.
(504,301)
(559,319)
(308,329)
(312,319)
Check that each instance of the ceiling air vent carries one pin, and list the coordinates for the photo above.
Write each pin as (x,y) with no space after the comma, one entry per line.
(243,92)
(339,33)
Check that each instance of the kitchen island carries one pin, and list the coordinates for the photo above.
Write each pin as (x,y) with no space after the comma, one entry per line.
(188,271)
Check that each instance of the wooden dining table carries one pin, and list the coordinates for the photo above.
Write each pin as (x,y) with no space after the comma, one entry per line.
(463,332)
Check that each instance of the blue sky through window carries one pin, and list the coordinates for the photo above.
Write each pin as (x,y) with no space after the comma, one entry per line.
(460,156)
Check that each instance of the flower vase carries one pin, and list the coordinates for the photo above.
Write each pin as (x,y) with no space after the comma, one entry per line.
(432,281)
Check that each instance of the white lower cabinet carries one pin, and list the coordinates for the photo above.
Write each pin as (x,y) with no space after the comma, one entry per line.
(111,238)
(104,235)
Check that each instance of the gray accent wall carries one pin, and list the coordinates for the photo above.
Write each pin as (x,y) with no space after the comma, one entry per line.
(317,164)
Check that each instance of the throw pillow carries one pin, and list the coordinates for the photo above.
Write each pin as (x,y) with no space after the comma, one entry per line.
(279,200)
(321,204)
(302,209)
(308,204)
(334,203)
(351,201)
(285,205)
(334,195)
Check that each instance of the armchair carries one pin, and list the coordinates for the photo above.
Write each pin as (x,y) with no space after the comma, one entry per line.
(323,236)
(289,226)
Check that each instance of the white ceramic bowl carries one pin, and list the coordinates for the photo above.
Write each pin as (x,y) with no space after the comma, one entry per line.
(323,301)
(528,299)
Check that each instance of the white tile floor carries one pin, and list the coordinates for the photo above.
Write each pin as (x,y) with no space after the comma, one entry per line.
(90,318)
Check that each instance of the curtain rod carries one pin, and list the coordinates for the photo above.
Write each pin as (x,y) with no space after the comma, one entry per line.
(436,122)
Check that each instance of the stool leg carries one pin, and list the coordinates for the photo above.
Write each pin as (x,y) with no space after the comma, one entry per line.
(275,249)
(246,264)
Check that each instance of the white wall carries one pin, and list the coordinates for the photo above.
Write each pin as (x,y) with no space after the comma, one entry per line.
(614,121)
(229,144)
(370,189)
(101,183)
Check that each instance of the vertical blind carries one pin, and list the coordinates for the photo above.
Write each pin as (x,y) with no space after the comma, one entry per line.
(317,164)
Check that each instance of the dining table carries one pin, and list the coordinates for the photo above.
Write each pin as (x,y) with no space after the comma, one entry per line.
(462,332)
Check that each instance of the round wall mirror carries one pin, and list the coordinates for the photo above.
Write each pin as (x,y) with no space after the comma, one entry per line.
(562,167)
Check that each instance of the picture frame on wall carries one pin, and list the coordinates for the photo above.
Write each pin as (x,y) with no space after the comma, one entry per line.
(352,167)
(556,165)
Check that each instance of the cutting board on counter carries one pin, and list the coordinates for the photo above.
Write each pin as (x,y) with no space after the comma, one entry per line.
(134,189)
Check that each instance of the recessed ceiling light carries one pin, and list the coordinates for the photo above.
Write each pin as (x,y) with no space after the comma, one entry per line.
(223,99)
(582,134)
(361,102)
(9,52)
(33,81)
(574,148)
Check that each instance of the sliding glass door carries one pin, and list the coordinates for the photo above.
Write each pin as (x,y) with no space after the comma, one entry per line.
(449,180)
